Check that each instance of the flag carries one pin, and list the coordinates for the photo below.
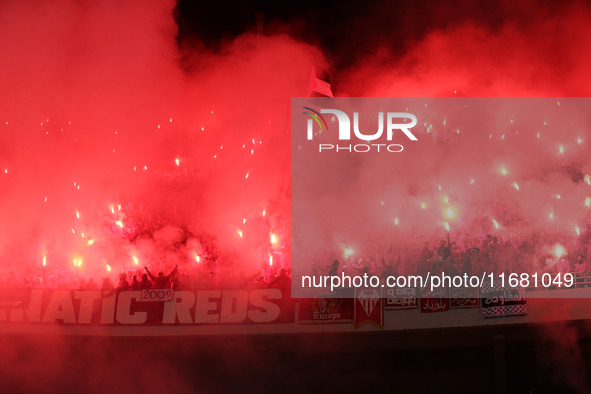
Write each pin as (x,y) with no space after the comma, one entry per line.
(500,302)
(463,297)
(369,307)
(400,298)
(328,308)
(319,86)
(436,300)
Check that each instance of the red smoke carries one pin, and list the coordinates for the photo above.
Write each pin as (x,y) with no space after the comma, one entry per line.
(545,53)
(110,134)
(533,51)
(97,103)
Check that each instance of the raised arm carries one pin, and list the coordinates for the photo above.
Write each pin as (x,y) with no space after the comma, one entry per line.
(173,273)
(150,274)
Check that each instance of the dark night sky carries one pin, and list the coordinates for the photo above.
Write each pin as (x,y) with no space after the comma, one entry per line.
(347,30)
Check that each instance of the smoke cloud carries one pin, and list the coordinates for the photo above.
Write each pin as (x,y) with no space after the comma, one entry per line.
(513,50)
(114,143)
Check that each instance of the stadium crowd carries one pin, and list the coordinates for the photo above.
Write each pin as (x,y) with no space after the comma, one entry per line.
(473,254)
(202,276)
